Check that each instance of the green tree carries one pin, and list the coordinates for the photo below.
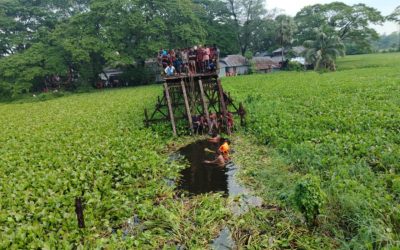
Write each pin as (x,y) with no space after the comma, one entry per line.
(349,23)
(247,15)
(323,50)
(220,28)
(23,22)
(264,37)
(106,33)
(387,42)
(395,17)
(285,28)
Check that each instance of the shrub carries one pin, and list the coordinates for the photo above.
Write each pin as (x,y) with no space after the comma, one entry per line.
(309,198)
(295,66)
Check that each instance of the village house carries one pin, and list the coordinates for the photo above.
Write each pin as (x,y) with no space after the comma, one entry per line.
(265,64)
(233,65)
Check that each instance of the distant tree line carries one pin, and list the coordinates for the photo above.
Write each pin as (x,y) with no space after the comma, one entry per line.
(67,44)
(387,43)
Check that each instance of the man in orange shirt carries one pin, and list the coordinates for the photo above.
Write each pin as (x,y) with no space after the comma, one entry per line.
(222,152)
(224,149)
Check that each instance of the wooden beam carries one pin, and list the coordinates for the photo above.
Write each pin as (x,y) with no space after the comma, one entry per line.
(159,105)
(189,115)
(223,106)
(171,112)
(205,105)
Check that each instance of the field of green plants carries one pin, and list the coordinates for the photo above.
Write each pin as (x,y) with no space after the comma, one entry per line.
(341,131)
(94,146)
(324,148)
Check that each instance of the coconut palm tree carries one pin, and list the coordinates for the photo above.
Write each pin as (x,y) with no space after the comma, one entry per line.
(286,27)
(323,51)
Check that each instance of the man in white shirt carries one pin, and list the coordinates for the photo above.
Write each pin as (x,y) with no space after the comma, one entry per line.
(170,70)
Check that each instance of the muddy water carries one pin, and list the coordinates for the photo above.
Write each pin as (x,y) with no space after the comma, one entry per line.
(201,178)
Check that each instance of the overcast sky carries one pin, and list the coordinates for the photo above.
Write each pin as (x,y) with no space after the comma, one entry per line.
(291,7)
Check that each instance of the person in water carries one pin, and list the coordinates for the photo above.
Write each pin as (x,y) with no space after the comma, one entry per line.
(215,138)
(222,152)
(219,161)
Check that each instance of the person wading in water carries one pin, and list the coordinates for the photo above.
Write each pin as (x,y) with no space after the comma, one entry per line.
(222,152)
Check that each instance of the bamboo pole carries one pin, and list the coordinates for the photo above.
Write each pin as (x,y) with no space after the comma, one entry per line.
(189,115)
(223,106)
(205,105)
(171,113)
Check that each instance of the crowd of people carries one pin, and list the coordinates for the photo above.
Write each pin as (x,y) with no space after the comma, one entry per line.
(198,59)
(201,126)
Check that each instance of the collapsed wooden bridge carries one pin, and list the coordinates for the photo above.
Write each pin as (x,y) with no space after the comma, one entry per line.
(188,96)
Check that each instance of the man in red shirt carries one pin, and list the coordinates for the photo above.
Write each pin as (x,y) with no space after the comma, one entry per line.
(200,54)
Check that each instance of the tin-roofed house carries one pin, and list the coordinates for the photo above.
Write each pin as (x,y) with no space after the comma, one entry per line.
(233,65)
(265,64)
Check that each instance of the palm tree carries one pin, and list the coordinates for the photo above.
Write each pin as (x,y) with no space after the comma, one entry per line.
(323,51)
(284,31)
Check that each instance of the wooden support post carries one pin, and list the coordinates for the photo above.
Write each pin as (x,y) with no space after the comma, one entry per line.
(242,114)
(205,105)
(171,113)
(189,115)
(79,212)
(223,106)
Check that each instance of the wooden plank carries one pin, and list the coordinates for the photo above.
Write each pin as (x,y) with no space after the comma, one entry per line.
(205,105)
(223,106)
(189,115)
(171,113)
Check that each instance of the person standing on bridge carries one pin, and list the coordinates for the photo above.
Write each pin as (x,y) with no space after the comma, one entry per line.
(170,70)
(206,58)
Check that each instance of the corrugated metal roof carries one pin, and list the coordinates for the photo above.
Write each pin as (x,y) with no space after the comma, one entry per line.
(265,62)
(277,51)
(234,61)
(222,64)
(299,49)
